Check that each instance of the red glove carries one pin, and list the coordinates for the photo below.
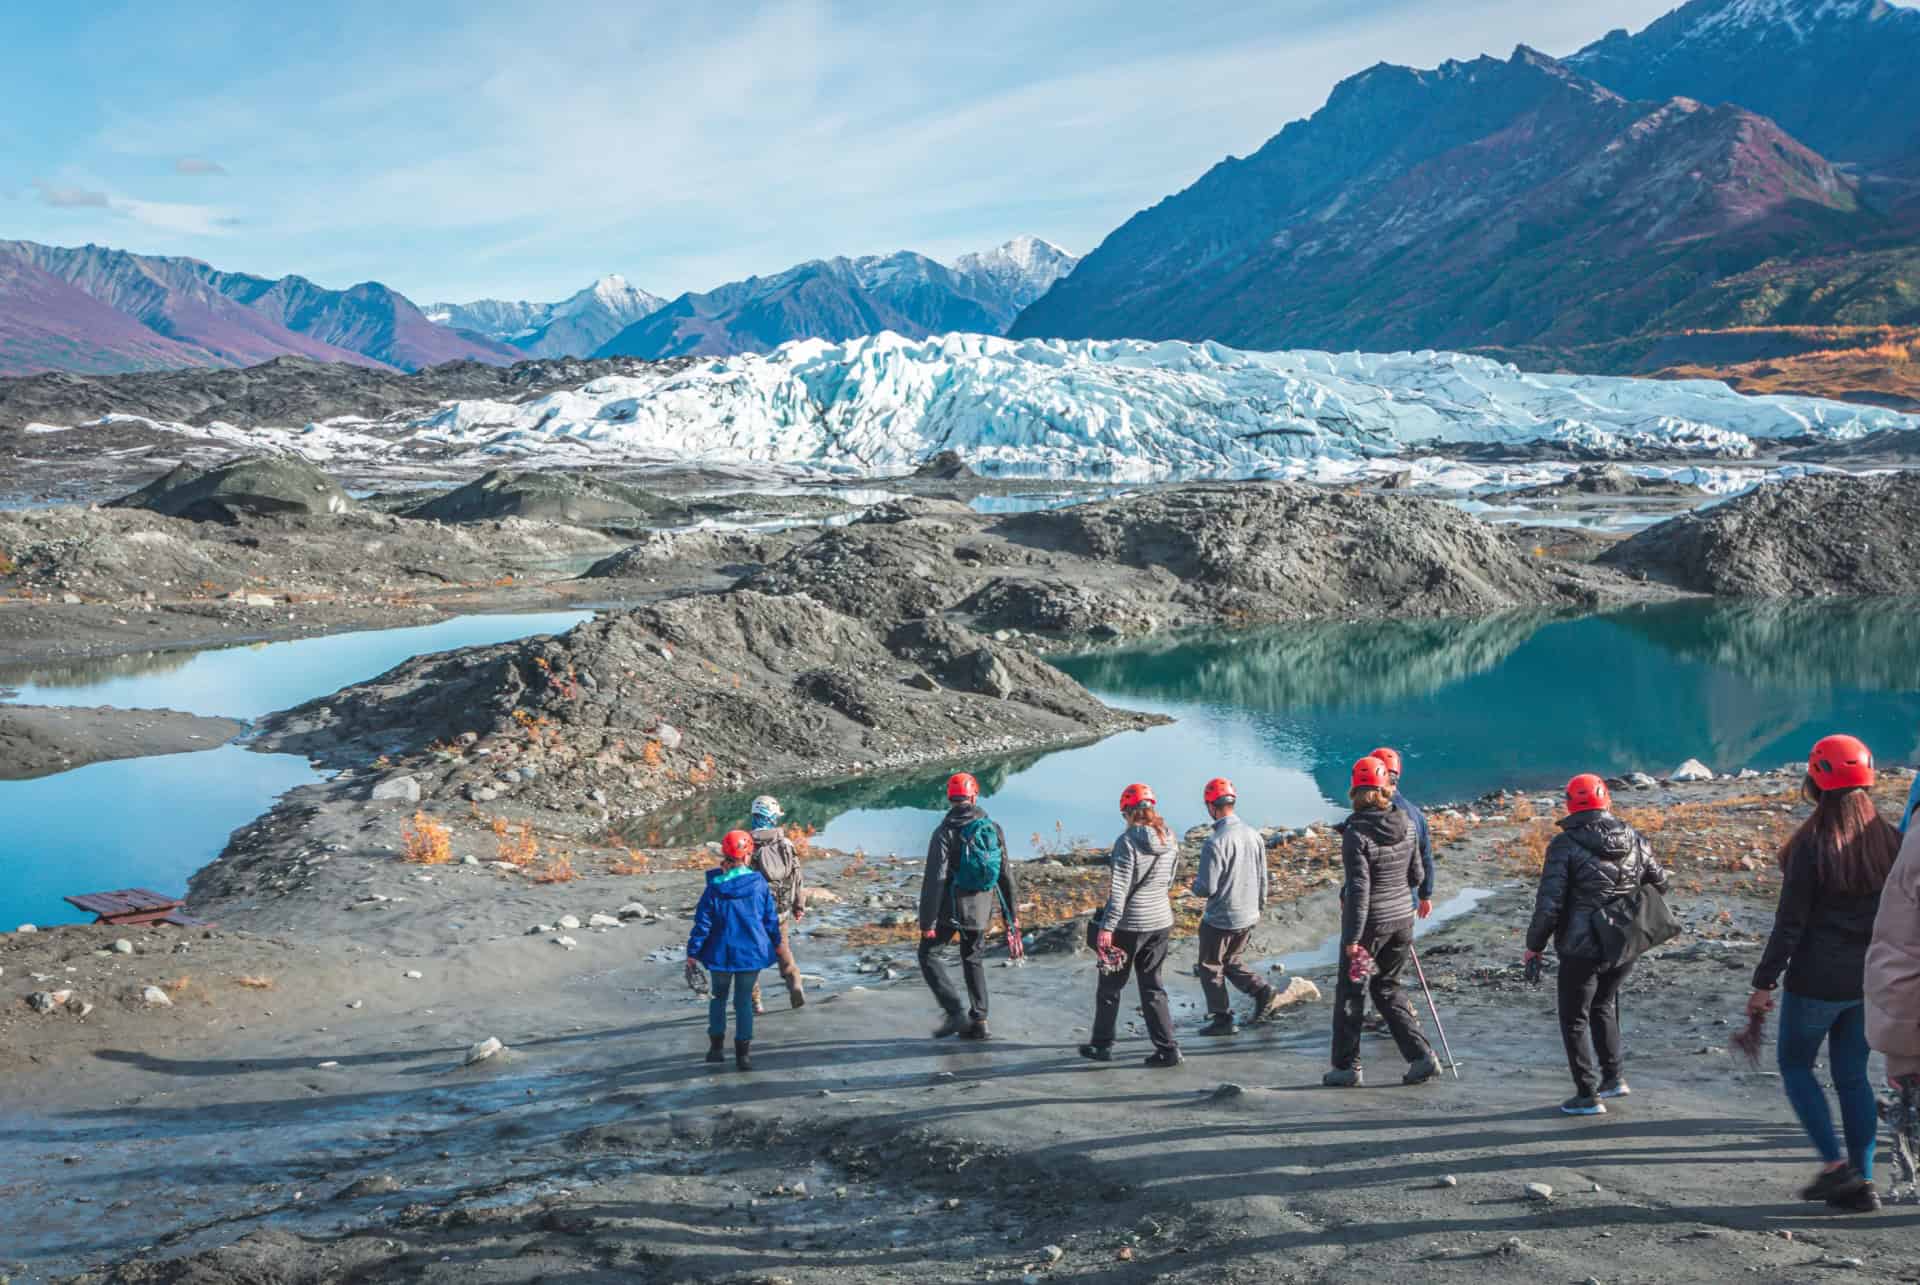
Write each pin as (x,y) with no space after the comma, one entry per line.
(927,934)
(1426,907)
(1103,942)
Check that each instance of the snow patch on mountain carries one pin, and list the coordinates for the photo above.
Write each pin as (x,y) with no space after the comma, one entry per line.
(1125,410)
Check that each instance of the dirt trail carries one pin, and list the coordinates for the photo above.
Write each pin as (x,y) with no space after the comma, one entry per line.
(600,1144)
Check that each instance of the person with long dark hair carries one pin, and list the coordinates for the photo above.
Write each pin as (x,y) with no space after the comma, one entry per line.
(1137,922)
(1833,869)
(1596,860)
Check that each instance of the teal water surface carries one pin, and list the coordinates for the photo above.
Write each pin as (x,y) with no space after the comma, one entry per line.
(1525,699)
(150,823)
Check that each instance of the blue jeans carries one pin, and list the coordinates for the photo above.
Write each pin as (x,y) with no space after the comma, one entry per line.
(741,984)
(1841,1024)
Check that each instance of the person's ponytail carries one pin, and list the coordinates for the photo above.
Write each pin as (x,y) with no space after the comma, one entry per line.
(1149,816)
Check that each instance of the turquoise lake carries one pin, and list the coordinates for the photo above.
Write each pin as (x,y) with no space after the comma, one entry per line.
(1526,700)
(150,823)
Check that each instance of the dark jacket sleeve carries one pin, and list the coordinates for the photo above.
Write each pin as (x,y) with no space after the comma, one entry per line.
(1425,889)
(933,884)
(1009,890)
(1550,901)
(1789,924)
(702,925)
(1653,872)
(1359,888)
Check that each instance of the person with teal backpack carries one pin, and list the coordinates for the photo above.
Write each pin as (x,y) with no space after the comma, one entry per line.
(968,874)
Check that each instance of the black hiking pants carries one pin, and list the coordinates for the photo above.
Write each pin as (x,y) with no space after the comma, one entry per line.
(1146,955)
(973,967)
(1390,950)
(1590,1003)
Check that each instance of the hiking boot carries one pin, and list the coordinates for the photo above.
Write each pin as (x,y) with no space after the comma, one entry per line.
(1831,1182)
(1861,1200)
(977,1031)
(742,1055)
(715,1043)
(1221,1024)
(1163,1060)
(796,993)
(952,1024)
(1267,1009)
(1097,1052)
(1583,1104)
(1614,1088)
(1343,1078)
(1422,1071)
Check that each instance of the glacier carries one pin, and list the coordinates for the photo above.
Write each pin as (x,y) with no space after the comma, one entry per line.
(1120,410)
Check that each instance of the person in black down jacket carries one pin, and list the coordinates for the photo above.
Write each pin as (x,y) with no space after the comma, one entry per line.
(1382,856)
(1834,870)
(1595,859)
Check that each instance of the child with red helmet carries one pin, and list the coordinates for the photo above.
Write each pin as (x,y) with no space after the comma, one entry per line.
(1595,860)
(1834,871)
(736,933)
(968,873)
(1382,858)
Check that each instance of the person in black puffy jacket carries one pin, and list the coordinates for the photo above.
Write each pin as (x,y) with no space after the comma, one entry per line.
(1382,856)
(1595,859)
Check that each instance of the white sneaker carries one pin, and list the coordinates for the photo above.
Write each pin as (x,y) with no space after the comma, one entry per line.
(1614,1089)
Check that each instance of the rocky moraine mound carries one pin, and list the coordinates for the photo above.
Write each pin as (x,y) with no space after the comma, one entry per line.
(1821,535)
(254,486)
(579,499)
(709,691)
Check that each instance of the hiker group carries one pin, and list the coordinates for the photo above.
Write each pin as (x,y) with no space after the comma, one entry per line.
(1846,938)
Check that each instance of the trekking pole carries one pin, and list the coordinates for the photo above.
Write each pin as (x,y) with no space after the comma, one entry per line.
(1437,1024)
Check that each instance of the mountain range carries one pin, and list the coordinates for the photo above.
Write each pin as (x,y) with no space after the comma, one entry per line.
(574,327)
(95,310)
(1634,207)
(840,298)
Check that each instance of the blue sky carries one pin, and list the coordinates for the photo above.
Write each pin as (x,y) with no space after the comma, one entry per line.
(454,150)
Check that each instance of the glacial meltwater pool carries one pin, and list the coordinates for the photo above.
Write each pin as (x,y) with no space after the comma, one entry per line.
(150,823)
(1525,699)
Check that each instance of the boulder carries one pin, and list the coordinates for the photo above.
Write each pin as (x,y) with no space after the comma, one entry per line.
(154,997)
(406,789)
(578,499)
(255,486)
(1692,770)
(485,1049)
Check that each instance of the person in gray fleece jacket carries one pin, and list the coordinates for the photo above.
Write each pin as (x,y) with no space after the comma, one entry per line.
(1233,879)
(1137,920)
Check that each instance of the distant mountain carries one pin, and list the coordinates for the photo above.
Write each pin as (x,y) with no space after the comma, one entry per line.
(144,312)
(1843,76)
(1481,203)
(839,299)
(574,327)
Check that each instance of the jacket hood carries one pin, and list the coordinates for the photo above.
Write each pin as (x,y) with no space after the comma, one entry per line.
(1147,841)
(734,881)
(1601,833)
(767,834)
(1387,825)
(964,812)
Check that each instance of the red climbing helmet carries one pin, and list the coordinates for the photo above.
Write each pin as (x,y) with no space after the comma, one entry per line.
(1135,796)
(1840,763)
(961,785)
(1370,773)
(737,846)
(1588,793)
(1390,757)
(1219,789)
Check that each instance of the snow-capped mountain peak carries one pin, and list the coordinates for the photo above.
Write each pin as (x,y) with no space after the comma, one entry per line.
(574,327)
(1024,267)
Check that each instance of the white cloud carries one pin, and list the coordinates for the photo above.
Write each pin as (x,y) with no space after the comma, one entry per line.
(507,157)
(166,216)
(198,167)
(62,196)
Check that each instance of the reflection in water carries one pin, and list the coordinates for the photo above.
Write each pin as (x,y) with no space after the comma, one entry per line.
(1519,700)
(246,682)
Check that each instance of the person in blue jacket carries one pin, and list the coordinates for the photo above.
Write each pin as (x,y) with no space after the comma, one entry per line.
(1913,805)
(736,933)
